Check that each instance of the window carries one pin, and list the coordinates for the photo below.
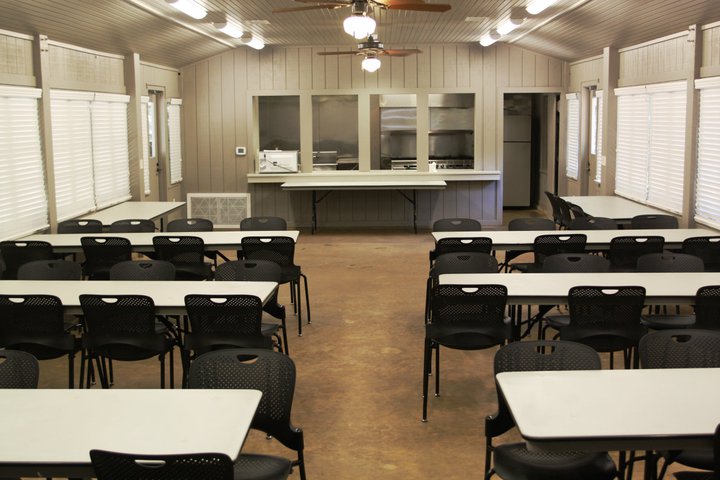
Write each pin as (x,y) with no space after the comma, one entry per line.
(572,145)
(707,182)
(90,151)
(175,139)
(598,134)
(22,184)
(335,132)
(145,145)
(651,144)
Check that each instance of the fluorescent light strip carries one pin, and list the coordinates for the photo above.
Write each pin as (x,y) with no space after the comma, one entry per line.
(537,6)
(189,7)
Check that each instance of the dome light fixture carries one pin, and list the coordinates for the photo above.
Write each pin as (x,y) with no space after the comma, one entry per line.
(371,63)
(189,7)
(359,26)
(252,41)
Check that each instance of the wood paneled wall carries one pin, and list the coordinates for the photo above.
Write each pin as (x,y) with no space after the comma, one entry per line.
(663,60)
(217,114)
(16,60)
(711,51)
(585,72)
(80,69)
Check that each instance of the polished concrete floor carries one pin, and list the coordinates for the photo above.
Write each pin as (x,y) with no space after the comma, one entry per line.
(358,396)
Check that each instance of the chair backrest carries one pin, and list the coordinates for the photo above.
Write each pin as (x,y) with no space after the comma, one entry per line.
(625,250)
(669,262)
(280,250)
(552,198)
(18,369)
(463,244)
(132,225)
(237,317)
(101,253)
(109,315)
(707,307)
(577,211)
(456,225)
(575,262)
(707,248)
(18,252)
(653,222)
(80,226)
(189,225)
(50,270)
(471,306)
(249,270)
(566,215)
(681,348)
(271,372)
(143,270)
(263,223)
(552,244)
(464,262)
(593,223)
(184,249)
(531,223)
(23,315)
(605,318)
(189,466)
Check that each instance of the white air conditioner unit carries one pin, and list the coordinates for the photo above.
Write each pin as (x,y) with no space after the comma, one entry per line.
(278,161)
(225,210)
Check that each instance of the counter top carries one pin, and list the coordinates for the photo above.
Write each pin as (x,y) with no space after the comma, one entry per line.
(448,175)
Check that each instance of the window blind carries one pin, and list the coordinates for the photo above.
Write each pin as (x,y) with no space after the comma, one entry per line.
(22,183)
(73,152)
(599,137)
(175,139)
(651,144)
(144,142)
(707,181)
(111,167)
(572,145)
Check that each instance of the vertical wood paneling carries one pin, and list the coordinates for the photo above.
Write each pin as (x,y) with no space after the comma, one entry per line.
(81,70)
(555,68)
(586,71)
(305,60)
(252,70)
(241,125)
(266,64)
(292,68)
(318,69)
(437,66)
(16,56)
(229,174)
(384,75)
(190,131)
(463,66)
(279,70)
(358,76)
(397,65)
(542,72)
(345,71)
(528,69)
(215,108)
(711,48)
(515,67)
(202,85)
(449,66)
(660,61)
(424,66)
(410,73)
(331,70)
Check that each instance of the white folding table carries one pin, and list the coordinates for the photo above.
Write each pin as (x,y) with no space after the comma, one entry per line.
(619,209)
(49,433)
(134,210)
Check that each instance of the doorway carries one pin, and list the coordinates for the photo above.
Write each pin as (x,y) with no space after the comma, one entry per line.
(157,145)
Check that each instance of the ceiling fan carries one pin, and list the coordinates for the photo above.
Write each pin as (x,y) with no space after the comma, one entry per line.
(371,49)
(418,5)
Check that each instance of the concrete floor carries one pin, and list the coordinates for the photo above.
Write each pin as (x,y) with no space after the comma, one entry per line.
(359,363)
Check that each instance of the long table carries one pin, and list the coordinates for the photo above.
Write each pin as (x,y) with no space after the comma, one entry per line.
(134,210)
(49,433)
(619,209)
(596,239)
(168,296)
(398,185)
(576,410)
(143,241)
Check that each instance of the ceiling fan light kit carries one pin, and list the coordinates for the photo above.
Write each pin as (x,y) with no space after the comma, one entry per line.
(359,26)
(189,7)
(371,64)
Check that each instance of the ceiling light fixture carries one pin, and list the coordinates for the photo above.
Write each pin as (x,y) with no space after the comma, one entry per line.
(229,29)
(359,26)
(489,38)
(537,6)
(189,7)
(252,41)
(509,25)
(371,63)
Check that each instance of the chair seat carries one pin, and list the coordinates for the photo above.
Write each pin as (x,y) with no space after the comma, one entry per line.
(557,321)
(664,322)
(290,273)
(193,271)
(694,476)
(468,337)
(128,348)
(44,347)
(700,458)
(250,466)
(268,329)
(515,462)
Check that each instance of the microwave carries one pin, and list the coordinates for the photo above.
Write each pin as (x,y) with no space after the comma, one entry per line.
(278,161)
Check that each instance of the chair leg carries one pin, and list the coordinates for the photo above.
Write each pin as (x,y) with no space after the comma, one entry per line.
(437,369)
(295,289)
(172,367)
(161,359)
(284,338)
(427,360)
(307,297)
(71,370)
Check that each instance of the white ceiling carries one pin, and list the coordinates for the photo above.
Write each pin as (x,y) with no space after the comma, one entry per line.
(571,30)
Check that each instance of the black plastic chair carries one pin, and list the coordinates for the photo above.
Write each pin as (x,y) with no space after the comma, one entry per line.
(281,250)
(50,270)
(36,324)
(624,251)
(263,223)
(460,244)
(132,225)
(463,317)
(122,328)
(577,211)
(101,253)
(18,252)
(593,223)
(711,475)
(274,375)
(524,224)
(607,319)
(259,271)
(196,225)
(453,225)
(513,461)
(187,253)
(191,466)
(685,348)
(707,308)
(143,270)
(552,244)
(80,226)
(566,215)
(653,222)
(557,215)
(18,369)
(707,248)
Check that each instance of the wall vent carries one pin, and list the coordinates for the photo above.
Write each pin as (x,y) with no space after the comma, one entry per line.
(225,210)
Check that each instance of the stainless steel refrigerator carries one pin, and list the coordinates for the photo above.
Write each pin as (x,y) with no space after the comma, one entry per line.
(517,160)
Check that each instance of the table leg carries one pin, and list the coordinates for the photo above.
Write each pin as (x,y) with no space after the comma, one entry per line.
(414,205)
(313,226)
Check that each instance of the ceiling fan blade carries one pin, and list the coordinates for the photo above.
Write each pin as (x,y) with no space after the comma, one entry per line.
(400,53)
(353,52)
(328,6)
(416,5)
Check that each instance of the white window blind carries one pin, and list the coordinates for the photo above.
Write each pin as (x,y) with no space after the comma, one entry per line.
(145,158)
(572,144)
(707,182)
(651,144)
(175,139)
(73,153)
(23,201)
(110,149)
(599,158)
